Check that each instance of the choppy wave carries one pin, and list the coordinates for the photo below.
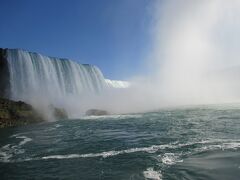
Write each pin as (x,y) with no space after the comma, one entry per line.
(25,140)
(5,155)
(168,157)
(8,151)
(58,125)
(151,149)
(127,116)
(151,174)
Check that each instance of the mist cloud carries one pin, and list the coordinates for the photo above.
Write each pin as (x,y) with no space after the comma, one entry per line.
(193,48)
(194,60)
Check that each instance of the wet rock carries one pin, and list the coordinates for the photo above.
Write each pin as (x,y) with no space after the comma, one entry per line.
(60,113)
(14,113)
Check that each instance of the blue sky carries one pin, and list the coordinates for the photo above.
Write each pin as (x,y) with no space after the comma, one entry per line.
(112,34)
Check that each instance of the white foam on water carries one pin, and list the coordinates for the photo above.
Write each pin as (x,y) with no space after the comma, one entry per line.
(71,156)
(170,158)
(61,156)
(167,158)
(218,145)
(58,125)
(24,141)
(118,116)
(8,151)
(231,145)
(151,149)
(151,174)
(4,155)
(18,134)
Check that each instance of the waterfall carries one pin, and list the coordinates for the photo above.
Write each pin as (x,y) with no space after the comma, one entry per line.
(117,84)
(38,75)
(46,82)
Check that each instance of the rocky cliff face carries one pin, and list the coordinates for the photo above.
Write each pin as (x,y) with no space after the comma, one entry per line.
(17,113)
(12,113)
(4,75)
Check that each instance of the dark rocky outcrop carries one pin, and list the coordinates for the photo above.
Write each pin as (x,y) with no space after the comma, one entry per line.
(59,113)
(4,74)
(96,112)
(17,113)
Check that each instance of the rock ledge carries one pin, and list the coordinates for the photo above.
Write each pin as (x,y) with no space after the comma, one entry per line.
(14,113)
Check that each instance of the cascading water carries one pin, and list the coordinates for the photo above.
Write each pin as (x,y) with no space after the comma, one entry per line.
(43,81)
(117,84)
(34,74)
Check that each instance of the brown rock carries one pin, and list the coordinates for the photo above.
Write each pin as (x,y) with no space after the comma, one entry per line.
(14,113)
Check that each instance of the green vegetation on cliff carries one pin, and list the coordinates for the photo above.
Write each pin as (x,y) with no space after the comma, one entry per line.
(17,113)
